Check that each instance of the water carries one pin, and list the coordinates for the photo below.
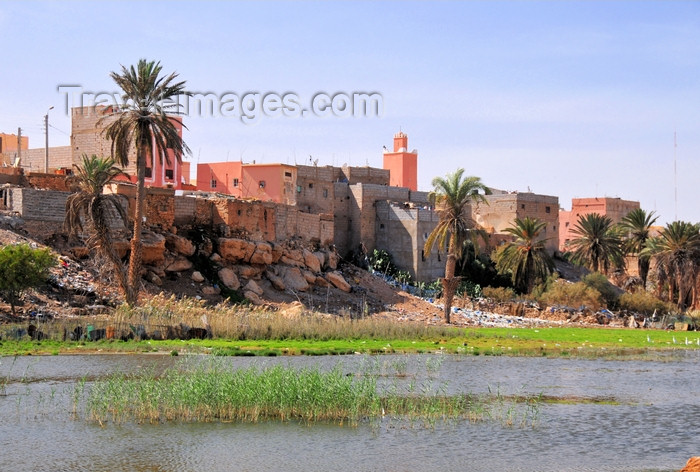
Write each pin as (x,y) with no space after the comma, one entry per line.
(655,426)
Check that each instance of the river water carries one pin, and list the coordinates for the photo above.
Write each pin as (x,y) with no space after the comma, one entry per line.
(653,425)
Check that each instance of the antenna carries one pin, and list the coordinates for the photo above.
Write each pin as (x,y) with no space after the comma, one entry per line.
(675,178)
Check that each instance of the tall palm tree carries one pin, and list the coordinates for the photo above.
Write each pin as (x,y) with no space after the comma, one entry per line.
(88,207)
(637,226)
(677,253)
(526,258)
(451,198)
(598,243)
(142,123)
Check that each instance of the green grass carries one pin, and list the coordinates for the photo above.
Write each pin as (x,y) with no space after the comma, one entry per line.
(210,392)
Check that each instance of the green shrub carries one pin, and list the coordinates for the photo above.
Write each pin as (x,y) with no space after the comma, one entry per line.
(601,283)
(21,268)
(499,294)
(643,302)
(572,295)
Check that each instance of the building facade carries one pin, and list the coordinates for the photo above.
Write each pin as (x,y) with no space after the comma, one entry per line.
(614,208)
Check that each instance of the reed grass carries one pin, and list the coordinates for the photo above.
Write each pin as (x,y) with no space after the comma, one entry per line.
(210,392)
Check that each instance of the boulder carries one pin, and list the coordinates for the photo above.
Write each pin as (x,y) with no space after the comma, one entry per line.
(294,280)
(277,252)
(262,254)
(275,280)
(293,257)
(309,276)
(236,250)
(215,257)
(229,279)
(153,248)
(209,290)
(197,276)
(179,245)
(153,278)
(247,271)
(338,281)
(332,262)
(311,261)
(321,258)
(253,297)
(693,465)
(179,265)
(251,286)
(321,282)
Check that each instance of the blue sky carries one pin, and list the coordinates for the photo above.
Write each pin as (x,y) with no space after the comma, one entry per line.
(574,99)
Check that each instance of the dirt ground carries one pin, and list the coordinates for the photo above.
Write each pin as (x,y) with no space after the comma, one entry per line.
(77,288)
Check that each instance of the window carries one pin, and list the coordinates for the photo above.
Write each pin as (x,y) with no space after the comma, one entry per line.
(261,184)
(149,172)
(235,182)
(554,228)
(169,174)
(311,185)
(522,205)
(381,225)
(213,183)
(422,255)
(325,193)
(287,175)
(298,188)
(547,210)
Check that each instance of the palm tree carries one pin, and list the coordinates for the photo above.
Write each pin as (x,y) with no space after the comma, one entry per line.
(142,123)
(677,253)
(451,198)
(526,258)
(89,206)
(598,243)
(637,224)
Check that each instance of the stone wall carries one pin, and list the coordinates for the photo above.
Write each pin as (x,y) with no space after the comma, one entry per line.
(366,175)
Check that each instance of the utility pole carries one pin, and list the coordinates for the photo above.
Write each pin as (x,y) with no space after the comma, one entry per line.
(675,178)
(19,144)
(46,157)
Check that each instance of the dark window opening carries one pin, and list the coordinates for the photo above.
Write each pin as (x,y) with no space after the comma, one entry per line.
(422,255)
(169,174)
(288,174)
(149,172)
(522,205)
(213,183)
(261,184)
(239,212)
(547,210)
(381,225)
(311,185)
(235,182)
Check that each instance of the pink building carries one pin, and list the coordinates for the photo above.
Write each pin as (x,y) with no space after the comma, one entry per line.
(266,182)
(614,208)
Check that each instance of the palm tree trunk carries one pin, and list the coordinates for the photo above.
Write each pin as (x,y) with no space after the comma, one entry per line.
(107,248)
(450,282)
(136,245)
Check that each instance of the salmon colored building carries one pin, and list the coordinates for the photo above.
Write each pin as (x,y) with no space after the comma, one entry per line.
(402,165)
(614,208)
(266,182)
(87,138)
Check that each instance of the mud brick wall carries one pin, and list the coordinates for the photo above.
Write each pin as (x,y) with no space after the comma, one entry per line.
(47,181)
(11,175)
(256,220)
(160,207)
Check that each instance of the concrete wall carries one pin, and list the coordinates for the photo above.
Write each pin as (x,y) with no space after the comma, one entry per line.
(33,204)
(34,160)
(502,209)
(401,230)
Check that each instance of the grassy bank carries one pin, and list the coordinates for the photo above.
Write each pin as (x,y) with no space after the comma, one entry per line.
(161,323)
(556,341)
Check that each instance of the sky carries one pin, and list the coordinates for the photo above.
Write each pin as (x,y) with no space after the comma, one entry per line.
(573,99)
